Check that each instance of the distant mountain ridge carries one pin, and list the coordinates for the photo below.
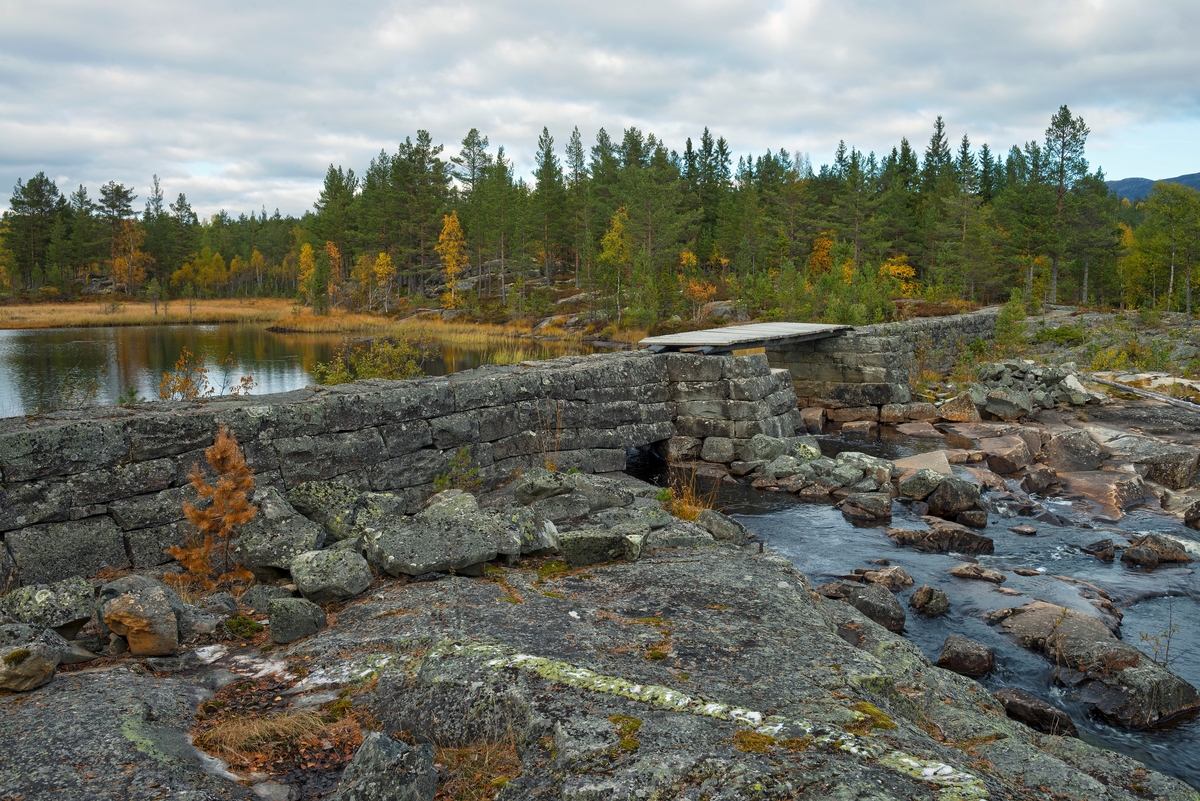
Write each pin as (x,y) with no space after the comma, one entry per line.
(1134,189)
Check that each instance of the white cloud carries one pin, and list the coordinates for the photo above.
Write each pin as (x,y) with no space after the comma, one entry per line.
(244,105)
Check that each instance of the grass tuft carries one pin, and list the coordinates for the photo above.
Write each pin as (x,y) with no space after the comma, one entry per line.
(477,772)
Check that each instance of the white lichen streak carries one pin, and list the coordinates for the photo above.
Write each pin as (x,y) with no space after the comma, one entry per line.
(955,785)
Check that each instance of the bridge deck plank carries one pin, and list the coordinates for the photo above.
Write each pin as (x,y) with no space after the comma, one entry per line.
(738,337)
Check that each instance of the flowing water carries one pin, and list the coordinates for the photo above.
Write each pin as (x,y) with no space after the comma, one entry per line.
(38,368)
(822,544)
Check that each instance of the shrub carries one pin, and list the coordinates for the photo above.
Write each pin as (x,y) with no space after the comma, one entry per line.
(381,358)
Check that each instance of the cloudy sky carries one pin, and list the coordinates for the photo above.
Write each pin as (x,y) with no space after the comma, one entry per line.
(243,105)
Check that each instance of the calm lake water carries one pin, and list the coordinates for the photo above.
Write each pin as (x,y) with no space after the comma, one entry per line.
(36,366)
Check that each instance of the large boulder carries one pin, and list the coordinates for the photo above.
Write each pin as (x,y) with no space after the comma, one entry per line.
(258,598)
(965,656)
(1169,464)
(763,448)
(65,606)
(1114,677)
(723,528)
(1008,404)
(877,603)
(1006,454)
(1167,548)
(294,619)
(13,635)
(953,495)
(533,532)
(1114,490)
(540,483)
(920,484)
(893,577)
(929,601)
(1035,713)
(329,503)
(977,572)
(384,769)
(269,543)
(868,507)
(872,467)
(143,611)
(451,533)
(1073,451)
(590,545)
(960,409)
(335,575)
(27,666)
(601,492)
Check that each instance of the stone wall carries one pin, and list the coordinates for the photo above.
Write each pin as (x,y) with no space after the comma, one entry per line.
(103,488)
(870,366)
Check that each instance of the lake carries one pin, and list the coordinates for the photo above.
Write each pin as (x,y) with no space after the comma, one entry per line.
(39,366)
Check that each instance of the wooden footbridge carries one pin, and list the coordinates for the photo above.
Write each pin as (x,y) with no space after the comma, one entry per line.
(742,337)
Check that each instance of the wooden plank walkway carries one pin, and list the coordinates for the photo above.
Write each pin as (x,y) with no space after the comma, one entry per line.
(742,337)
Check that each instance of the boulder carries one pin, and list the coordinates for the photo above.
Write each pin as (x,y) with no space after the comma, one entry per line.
(1114,490)
(540,483)
(860,428)
(26,667)
(1167,548)
(966,657)
(1141,556)
(1008,404)
(868,506)
(921,410)
(872,467)
(1006,454)
(1169,464)
(1073,451)
(893,577)
(451,533)
(933,460)
(147,614)
(559,508)
(978,572)
(960,409)
(335,575)
(920,484)
(813,419)
(328,503)
(877,603)
(953,495)
(1028,531)
(919,430)
(384,769)
(592,545)
(65,606)
(601,492)
(929,601)
(845,476)
(1191,516)
(945,538)
(975,518)
(837,590)
(1114,677)
(722,527)
(1102,550)
(294,619)
(784,466)
(269,543)
(534,533)
(1035,713)
(891,413)
(13,635)
(258,598)
(1036,478)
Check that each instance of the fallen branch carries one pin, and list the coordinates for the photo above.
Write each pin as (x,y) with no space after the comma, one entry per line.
(1145,393)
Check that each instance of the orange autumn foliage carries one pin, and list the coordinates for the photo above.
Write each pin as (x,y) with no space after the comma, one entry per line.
(216,523)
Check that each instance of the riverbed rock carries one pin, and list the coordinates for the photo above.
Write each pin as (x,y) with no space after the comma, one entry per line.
(269,543)
(144,613)
(933,460)
(1073,451)
(868,506)
(294,619)
(1006,454)
(944,538)
(960,409)
(26,667)
(763,448)
(1169,464)
(974,518)
(1035,713)
(1104,550)
(451,533)
(978,572)
(877,602)
(64,606)
(893,577)
(1141,556)
(1114,490)
(334,575)
(1028,531)
(1191,516)
(385,769)
(1167,548)
(331,504)
(953,495)
(919,430)
(920,484)
(966,657)
(929,601)
(1036,478)
(1114,677)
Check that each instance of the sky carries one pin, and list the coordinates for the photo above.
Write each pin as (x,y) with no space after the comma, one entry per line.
(243,105)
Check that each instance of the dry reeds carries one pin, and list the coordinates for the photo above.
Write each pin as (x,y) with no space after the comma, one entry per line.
(238,739)
(476,772)
(90,315)
(687,500)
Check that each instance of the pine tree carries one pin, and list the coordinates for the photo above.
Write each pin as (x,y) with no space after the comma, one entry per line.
(1065,164)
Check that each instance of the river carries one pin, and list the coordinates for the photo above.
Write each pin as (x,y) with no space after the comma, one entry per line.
(39,367)
(825,546)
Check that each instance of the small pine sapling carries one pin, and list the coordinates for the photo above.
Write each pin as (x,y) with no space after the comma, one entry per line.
(229,508)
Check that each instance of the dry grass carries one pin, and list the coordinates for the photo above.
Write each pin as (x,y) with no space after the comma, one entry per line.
(477,772)
(688,500)
(237,739)
(93,314)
